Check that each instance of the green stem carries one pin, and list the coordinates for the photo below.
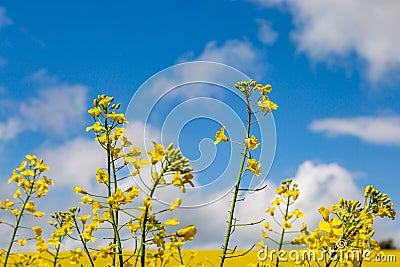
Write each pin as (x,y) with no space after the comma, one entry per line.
(146,213)
(14,234)
(283,231)
(56,256)
(236,190)
(180,255)
(83,242)
(118,239)
(113,213)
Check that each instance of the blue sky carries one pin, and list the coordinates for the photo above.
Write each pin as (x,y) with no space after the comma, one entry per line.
(334,67)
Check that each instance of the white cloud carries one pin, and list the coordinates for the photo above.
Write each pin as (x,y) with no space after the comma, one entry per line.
(58,109)
(4,19)
(43,78)
(10,129)
(323,185)
(266,34)
(74,162)
(376,130)
(332,31)
(320,184)
(236,53)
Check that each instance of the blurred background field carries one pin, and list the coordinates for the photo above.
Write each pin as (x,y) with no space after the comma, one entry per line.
(210,258)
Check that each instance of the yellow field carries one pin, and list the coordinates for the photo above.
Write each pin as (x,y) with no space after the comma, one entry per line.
(211,258)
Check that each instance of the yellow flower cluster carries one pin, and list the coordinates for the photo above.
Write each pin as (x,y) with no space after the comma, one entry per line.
(347,227)
(31,185)
(106,122)
(27,177)
(165,162)
(287,194)
(265,104)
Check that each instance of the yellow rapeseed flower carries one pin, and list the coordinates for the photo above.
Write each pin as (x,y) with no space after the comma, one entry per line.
(133,227)
(32,159)
(41,245)
(187,233)
(254,166)
(298,213)
(252,142)
(119,117)
(30,207)
(17,193)
(267,105)
(220,136)
(38,231)
(139,163)
(41,167)
(86,199)
(78,190)
(87,236)
(76,255)
(94,112)
(281,189)
(83,218)
(304,228)
(271,211)
(107,215)
(102,176)
(277,201)
(8,204)
(39,214)
(106,252)
(332,227)
(15,177)
(157,154)
(22,165)
(53,241)
(96,127)
(264,89)
(147,202)
(299,240)
(15,212)
(95,206)
(132,192)
(22,242)
(267,226)
(171,222)
(286,225)
(324,213)
(295,194)
(264,234)
(174,205)
(28,173)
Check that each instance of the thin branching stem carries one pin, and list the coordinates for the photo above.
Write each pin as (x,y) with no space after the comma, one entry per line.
(83,242)
(145,215)
(237,187)
(19,217)
(283,229)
